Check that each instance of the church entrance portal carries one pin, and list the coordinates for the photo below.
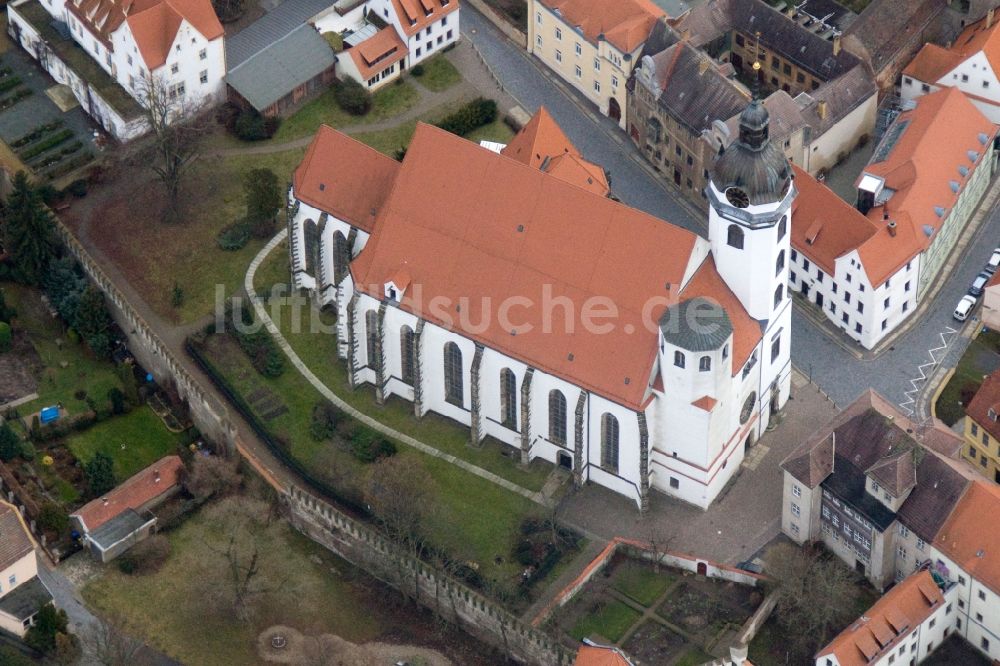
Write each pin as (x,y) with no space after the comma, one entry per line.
(614,110)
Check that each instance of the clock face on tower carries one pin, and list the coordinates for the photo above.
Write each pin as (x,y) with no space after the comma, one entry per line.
(737,197)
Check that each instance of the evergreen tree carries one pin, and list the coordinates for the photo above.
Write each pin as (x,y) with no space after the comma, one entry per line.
(29,234)
(264,200)
(64,285)
(100,473)
(48,623)
(93,322)
(10,443)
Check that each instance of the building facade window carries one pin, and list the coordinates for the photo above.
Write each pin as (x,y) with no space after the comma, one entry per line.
(407,354)
(557,417)
(779,294)
(734,237)
(779,264)
(679,359)
(453,385)
(609,442)
(508,398)
(371,328)
(705,363)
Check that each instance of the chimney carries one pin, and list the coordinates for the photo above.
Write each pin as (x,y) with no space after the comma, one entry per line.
(836,44)
(821,109)
(989,17)
(703,65)
(156,476)
(105,501)
(892,228)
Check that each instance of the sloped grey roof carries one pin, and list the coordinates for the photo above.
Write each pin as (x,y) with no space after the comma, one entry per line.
(886,27)
(26,599)
(267,76)
(116,529)
(697,324)
(277,23)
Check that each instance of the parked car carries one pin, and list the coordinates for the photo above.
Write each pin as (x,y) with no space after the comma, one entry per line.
(977,286)
(994,262)
(964,307)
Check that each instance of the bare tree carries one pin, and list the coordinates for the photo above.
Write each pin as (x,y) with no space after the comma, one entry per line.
(815,595)
(177,126)
(659,545)
(208,476)
(400,497)
(242,583)
(110,645)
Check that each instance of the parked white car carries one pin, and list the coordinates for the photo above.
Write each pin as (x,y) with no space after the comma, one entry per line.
(994,262)
(964,308)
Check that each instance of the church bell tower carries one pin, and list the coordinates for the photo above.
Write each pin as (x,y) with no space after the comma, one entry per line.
(750,196)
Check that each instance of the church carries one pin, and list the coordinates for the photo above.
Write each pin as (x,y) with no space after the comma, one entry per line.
(506,291)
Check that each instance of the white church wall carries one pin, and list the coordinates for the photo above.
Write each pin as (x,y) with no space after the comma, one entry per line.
(626,479)
(392,354)
(432,369)
(491,408)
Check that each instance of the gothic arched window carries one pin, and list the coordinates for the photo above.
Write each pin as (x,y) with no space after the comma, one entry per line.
(453,387)
(782,227)
(780,264)
(371,328)
(609,442)
(705,363)
(779,294)
(557,417)
(679,359)
(407,354)
(310,234)
(341,257)
(508,398)
(735,236)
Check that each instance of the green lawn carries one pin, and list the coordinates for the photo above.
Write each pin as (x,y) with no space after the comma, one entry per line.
(694,657)
(981,358)
(475,519)
(392,100)
(640,583)
(319,352)
(134,440)
(69,366)
(610,620)
(439,74)
(174,609)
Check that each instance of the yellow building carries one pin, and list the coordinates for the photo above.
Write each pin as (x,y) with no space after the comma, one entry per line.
(592,45)
(982,430)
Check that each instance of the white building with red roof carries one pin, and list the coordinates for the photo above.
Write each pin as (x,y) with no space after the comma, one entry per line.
(402,34)
(539,312)
(175,44)
(22,593)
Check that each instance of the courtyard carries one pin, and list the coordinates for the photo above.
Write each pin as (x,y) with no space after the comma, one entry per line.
(658,616)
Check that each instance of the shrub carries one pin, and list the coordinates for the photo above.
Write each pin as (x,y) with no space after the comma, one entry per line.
(417,70)
(324,421)
(52,518)
(10,443)
(46,144)
(6,337)
(352,97)
(37,133)
(234,237)
(471,116)
(250,125)
(48,622)
(78,188)
(28,451)
(9,83)
(117,399)
(367,446)
(146,557)
(100,473)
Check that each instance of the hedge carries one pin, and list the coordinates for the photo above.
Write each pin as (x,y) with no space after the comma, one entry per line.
(280,452)
(37,133)
(471,116)
(352,97)
(46,144)
(9,83)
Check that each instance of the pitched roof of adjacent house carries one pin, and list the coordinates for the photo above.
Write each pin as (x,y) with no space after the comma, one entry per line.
(716,18)
(933,61)
(967,541)
(270,74)
(625,24)
(925,160)
(378,52)
(824,226)
(25,599)
(543,145)
(475,229)
(153,23)
(415,15)
(693,90)
(136,491)
(344,177)
(15,540)
(887,27)
(871,436)
(984,408)
(895,615)
(599,655)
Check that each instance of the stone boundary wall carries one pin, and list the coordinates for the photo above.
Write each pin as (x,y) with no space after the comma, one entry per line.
(364,547)
(502,23)
(208,414)
(642,550)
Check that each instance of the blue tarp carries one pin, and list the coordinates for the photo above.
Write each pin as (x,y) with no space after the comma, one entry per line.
(49,414)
